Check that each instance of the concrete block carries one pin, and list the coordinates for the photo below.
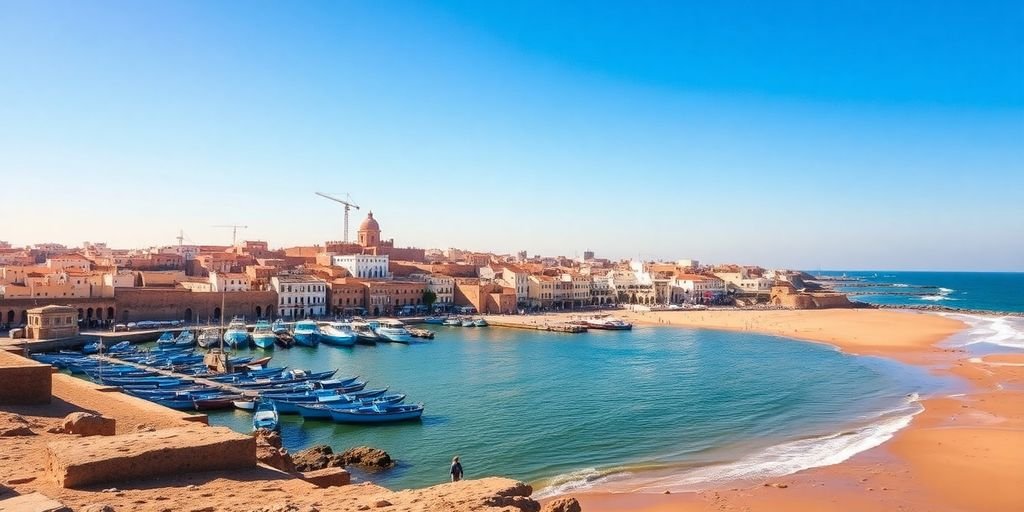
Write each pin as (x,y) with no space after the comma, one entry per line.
(174,451)
(25,382)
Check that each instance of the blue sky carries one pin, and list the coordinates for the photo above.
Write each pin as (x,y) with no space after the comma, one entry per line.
(801,134)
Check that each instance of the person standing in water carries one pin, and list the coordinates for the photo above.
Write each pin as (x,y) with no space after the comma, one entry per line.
(456,470)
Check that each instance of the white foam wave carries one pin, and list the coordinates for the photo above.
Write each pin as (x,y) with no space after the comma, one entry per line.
(1005,331)
(946,291)
(900,285)
(774,461)
(935,297)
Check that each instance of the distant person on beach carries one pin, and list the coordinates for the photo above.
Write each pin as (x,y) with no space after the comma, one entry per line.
(456,471)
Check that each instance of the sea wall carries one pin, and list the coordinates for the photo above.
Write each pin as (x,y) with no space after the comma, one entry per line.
(177,304)
(24,381)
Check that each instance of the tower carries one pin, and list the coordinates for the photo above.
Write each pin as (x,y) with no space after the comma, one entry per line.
(369,232)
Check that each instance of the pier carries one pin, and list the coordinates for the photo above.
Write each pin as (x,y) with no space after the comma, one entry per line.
(535,323)
(168,373)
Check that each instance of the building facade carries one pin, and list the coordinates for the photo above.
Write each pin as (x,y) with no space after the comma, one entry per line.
(300,296)
(363,266)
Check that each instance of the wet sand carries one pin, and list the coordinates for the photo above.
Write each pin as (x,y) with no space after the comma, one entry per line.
(962,453)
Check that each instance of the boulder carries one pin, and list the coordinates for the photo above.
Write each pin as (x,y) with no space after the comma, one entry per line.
(327,477)
(88,424)
(371,458)
(516,496)
(317,457)
(12,425)
(562,505)
(35,502)
(270,452)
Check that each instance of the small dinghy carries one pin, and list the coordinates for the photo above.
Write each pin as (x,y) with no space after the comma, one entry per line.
(265,416)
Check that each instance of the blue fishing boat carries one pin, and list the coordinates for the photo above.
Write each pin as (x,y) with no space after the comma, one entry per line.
(237,333)
(322,410)
(180,404)
(166,338)
(263,336)
(91,348)
(265,416)
(306,333)
(378,413)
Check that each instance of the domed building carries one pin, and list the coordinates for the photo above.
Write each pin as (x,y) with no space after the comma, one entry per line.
(369,232)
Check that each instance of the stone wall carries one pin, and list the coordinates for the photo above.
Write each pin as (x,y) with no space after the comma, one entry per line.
(136,304)
(24,381)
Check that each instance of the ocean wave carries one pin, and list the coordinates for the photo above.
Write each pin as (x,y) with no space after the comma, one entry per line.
(900,285)
(946,291)
(1005,331)
(772,462)
(936,297)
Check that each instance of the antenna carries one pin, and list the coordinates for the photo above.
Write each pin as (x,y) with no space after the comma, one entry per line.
(348,205)
(234,231)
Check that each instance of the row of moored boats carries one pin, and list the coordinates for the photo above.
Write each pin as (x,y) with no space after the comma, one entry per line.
(456,321)
(254,386)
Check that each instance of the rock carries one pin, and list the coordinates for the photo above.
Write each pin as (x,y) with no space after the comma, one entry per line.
(88,424)
(14,425)
(35,502)
(564,505)
(98,507)
(270,452)
(780,486)
(328,477)
(317,457)
(21,480)
(517,496)
(382,503)
(367,457)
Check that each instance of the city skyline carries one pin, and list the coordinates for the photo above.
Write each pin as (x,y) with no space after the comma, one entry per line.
(892,142)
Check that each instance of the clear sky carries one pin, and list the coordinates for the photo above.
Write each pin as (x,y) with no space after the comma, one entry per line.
(802,134)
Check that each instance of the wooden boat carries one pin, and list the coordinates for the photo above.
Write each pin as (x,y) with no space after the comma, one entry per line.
(265,416)
(378,413)
(421,333)
(322,410)
(214,403)
(182,404)
(284,340)
(245,405)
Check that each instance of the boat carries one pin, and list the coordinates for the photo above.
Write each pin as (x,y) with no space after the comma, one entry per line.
(322,410)
(265,416)
(378,413)
(479,322)
(245,405)
(237,333)
(365,333)
(185,339)
(284,340)
(393,330)
(306,333)
(453,322)
(215,402)
(124,346)
(608,323)
(91,348)
(421,333)
(468,322)
(209,337)
(279,326)
(435,320)
(166,338)
(338,334)
(262,335)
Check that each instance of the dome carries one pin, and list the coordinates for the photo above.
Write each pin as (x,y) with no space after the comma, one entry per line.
(369,224)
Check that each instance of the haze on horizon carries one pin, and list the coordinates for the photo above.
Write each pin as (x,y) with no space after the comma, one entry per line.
(792,134)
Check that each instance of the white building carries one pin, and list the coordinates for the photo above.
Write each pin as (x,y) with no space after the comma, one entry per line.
(300,296)
(694,288)
(443,287)
(229,282)
(363,266)
(511,276)
(189,252)
(742,282)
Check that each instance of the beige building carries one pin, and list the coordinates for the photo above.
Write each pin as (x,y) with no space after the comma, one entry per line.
(51,322)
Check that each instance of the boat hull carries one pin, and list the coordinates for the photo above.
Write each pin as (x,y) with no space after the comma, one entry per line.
(364,418)
(337,341)
(306,339)
(264,340)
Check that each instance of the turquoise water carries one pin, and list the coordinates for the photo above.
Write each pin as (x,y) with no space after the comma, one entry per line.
(988,291)
(674,406)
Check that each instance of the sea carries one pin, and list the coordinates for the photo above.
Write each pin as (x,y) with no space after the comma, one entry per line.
(978,291)
(649,410)
(653,409)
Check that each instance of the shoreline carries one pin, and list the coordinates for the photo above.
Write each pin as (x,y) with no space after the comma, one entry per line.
(905,470)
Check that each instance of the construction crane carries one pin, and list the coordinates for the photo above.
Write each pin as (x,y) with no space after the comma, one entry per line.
(348,206)
(234,231)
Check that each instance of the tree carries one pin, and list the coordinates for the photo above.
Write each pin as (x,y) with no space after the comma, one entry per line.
(429,298)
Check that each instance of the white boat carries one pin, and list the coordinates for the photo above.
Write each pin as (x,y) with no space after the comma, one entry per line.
(237,333)
(468,322)
(338,333)
(394,330)
(365,333)
(453,322)
(279,327)
(262,336)
(209,337)
(480,322)
(608,323)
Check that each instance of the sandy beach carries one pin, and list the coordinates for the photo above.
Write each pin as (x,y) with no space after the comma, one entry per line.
(964,452)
